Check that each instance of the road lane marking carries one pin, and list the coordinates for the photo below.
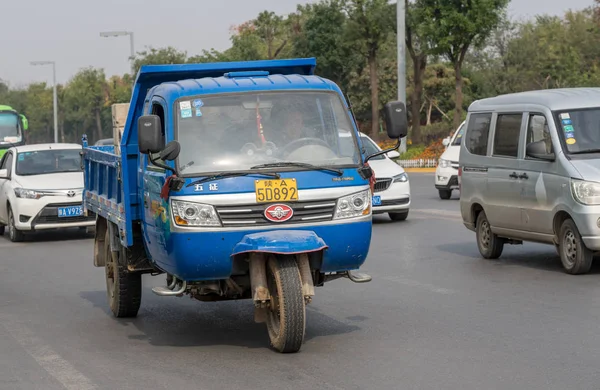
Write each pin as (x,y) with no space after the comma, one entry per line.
(46,357)
(414,283)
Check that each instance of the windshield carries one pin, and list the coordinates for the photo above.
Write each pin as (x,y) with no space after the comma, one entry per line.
(580,129)
(237,132)
(10,128)
(48,161)
(458,139)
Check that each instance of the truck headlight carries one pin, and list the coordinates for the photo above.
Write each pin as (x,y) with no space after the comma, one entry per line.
(27,194)
(194,214)
(353,205)
(401,178)
(586,192)
(443,163)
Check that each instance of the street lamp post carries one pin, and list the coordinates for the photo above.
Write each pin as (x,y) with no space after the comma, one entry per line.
(107,34)
(401,38)
(54,97)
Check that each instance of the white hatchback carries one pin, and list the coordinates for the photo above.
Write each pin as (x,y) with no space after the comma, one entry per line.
(446,173)
(41,188)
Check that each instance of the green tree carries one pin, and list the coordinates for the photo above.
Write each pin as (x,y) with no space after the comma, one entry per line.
(370,25)
(455,26)
(153,56)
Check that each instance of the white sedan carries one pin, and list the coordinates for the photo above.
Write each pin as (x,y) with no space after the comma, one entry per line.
(392,189)
(41,188)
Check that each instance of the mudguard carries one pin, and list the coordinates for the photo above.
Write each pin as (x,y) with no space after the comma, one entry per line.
(280,242)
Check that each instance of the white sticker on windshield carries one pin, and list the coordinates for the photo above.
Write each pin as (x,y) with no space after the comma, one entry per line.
(185,105)
(565,115)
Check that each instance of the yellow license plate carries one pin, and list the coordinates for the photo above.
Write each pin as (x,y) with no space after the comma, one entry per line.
(278,190)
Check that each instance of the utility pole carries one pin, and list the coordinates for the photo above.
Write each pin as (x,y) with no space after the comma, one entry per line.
(401,41)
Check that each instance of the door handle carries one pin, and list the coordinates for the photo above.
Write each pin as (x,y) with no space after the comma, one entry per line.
(523,176)
(513,175)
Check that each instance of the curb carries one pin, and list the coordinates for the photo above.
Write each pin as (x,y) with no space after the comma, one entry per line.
(429,170)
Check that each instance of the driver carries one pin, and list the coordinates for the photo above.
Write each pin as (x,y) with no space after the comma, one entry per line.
(287,124)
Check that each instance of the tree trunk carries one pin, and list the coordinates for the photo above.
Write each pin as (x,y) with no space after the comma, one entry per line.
(459,95)
(374,93)
(429,110)
(419,65)
(62,131)
(98,125)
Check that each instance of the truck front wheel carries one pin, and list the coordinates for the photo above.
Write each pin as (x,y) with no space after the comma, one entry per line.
(286,316)
(124,289)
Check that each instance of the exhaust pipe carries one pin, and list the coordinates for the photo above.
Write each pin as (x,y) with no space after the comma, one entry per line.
(168,291)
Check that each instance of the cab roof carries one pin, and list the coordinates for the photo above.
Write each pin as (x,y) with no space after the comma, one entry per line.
(554,99)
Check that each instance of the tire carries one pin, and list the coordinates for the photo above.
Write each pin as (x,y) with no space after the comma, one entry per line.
(399,216)
(2,227)
(286,316)
(574,256)
(490,245)
(445,194)
(123,289)
(14,234)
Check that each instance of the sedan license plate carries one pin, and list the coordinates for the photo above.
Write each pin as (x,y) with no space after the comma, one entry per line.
(376,200)
(70,211)
(278,190)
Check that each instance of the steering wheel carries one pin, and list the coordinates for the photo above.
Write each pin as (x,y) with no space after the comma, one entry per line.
(301,142)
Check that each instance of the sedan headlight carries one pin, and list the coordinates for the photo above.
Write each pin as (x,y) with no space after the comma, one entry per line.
(586,192)
(27,194)
(194,214)
(401,178)
(353,205)
(443,163)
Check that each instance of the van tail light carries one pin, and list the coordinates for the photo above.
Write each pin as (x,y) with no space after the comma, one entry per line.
(459,177)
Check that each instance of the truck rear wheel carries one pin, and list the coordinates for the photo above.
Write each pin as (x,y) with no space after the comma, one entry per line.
(286,317)
(124,289)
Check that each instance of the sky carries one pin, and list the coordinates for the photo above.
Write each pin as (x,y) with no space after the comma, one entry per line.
(68,31)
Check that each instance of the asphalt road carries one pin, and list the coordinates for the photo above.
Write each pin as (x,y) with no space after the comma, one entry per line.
(435,316)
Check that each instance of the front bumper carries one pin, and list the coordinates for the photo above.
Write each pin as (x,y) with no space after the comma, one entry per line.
(395,198)
(42,214)
(446,179)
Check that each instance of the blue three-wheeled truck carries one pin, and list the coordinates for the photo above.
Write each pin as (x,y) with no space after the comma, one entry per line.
(243,180)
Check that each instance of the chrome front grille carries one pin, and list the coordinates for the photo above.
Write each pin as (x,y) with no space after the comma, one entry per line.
(454,164)
(254,214)
(382,185)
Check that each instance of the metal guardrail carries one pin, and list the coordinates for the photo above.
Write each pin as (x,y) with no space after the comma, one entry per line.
(418,163)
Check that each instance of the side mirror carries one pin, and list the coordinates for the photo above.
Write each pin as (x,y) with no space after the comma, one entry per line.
(150,139)
(24,121)
(538,150)
(396,120)
(446,141)
(3,174)
(393,154)
(171,151)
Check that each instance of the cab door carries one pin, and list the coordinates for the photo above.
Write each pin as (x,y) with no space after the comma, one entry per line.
(156,214)
(5,186)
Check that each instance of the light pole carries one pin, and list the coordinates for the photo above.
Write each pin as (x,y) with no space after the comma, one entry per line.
(54,98)
(107,34)
(401,37)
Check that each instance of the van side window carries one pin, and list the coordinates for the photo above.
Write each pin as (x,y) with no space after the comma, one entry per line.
(537,130)
(478,130)
(157,109)
(507,134)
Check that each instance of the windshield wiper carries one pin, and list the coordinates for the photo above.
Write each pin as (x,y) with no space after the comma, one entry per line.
(230,174)
(297,164)
(597,150)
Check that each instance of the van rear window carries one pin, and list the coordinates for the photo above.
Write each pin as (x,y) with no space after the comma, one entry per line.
(478,129)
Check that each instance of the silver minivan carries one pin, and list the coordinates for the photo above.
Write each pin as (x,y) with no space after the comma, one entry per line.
(530,171)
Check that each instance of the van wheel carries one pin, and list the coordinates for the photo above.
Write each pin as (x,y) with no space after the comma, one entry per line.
(445,194)
(575,257)
(490,245)
(124,289)
(2,227)
(286,316)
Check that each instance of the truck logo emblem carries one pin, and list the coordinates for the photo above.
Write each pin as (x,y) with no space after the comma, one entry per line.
(70,193)
(278,213)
